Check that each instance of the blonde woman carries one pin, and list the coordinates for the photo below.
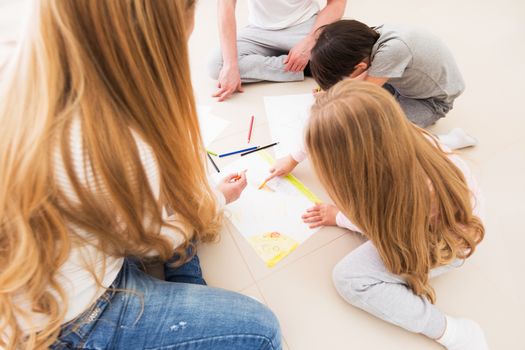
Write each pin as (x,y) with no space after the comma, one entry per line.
(417,204)
(99,140)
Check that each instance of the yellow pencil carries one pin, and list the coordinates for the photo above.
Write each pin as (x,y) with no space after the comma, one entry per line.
(262,185)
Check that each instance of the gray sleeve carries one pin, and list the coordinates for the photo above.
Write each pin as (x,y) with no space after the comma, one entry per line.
(390,60)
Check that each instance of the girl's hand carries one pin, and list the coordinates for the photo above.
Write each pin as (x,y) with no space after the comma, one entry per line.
(232,186)
(282,167)
(320,215)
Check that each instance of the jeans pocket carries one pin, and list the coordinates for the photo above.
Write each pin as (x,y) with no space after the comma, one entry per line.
(76,332)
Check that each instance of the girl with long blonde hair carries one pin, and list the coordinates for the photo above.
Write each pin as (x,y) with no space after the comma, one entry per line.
(99,142)
(416,202)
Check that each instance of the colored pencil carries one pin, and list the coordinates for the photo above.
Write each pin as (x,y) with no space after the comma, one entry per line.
(236,152)
(212,162)
(262,185)
(238,176)
(259,148)
(251,128)
(212,153)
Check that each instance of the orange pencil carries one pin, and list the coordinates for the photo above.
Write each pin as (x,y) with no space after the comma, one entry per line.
(237,177)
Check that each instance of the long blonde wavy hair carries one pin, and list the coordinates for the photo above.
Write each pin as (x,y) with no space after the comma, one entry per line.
(120,66)
(392,180)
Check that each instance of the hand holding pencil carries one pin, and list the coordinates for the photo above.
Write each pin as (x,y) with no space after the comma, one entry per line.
(232,186)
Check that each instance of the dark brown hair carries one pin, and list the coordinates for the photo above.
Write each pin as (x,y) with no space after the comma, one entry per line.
(339,48)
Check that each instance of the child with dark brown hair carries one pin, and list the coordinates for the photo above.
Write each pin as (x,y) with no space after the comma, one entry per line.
(415,66)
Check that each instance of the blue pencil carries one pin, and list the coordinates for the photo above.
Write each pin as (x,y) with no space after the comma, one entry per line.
(236,152)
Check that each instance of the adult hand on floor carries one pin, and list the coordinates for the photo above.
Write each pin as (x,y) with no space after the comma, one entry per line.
(229,83)
(320,215)
(299,55)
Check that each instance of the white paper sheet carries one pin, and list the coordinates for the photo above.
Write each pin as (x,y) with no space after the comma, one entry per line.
(275,209)
(211,125)
(287,116)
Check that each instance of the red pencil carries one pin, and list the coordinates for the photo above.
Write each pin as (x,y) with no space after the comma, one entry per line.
(251,128)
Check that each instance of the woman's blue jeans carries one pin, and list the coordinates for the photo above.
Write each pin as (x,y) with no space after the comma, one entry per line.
(142,312)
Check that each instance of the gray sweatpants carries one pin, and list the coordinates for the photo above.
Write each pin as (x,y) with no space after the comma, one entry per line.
(422,112)
(363,280)
(262,53)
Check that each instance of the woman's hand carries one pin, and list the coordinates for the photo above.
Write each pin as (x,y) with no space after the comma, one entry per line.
(320,215)
(232,186)
(282,167)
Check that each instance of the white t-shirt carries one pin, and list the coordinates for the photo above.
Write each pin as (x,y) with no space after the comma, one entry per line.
(279,14)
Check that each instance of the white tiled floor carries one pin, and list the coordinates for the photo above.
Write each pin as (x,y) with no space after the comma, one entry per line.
(487,38)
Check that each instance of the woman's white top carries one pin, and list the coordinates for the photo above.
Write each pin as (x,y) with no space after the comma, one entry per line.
(279,14)
(74,276)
